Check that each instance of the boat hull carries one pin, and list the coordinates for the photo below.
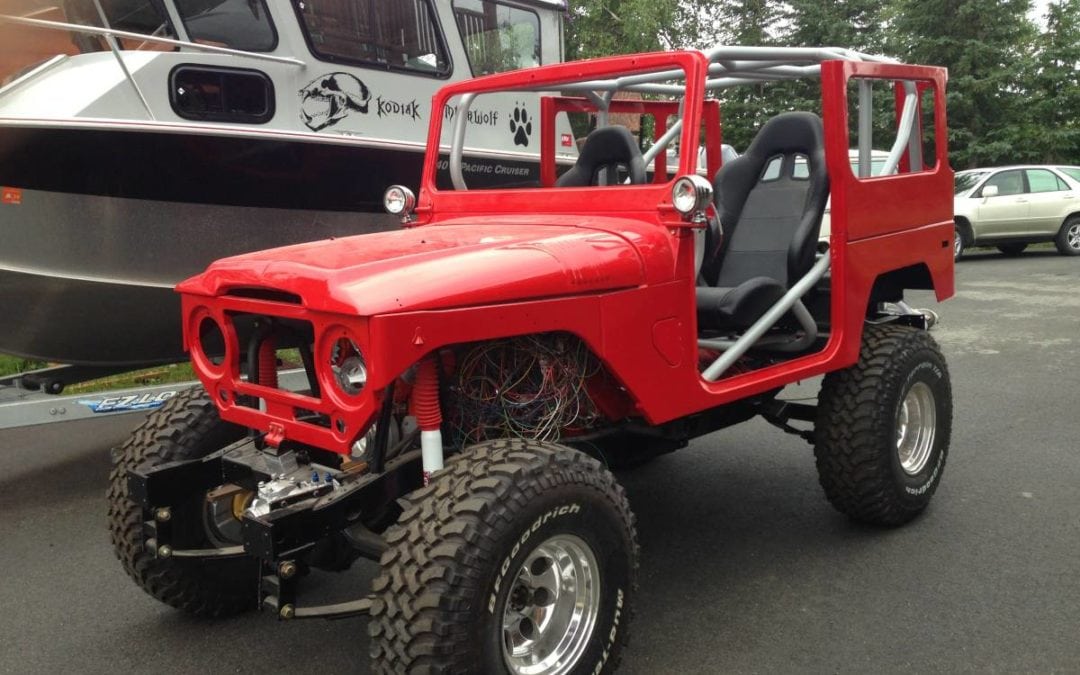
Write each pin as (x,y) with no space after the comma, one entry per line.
(99,225)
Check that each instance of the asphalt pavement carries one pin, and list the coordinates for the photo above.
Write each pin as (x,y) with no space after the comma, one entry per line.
(745,567)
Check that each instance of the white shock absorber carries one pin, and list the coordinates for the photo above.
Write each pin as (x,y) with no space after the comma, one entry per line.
(424,405)
(431,452)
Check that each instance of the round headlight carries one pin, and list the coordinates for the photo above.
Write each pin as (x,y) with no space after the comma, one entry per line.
(691,194)
(352,376)
(399,200)
(348,366)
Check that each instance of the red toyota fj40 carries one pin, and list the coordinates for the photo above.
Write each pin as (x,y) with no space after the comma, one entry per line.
(467,378)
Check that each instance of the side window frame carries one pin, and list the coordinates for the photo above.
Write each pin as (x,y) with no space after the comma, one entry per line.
(1059,184)
(539,34)
(440,38)
(268,85)
(1023,182)
(885,98)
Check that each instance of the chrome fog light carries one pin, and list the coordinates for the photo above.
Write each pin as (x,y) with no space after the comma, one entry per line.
(691,194)
(399,201)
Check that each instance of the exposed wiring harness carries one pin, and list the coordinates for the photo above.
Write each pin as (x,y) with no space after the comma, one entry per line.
(530,387)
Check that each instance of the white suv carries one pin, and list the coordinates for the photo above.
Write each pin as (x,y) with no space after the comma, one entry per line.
(1013,206)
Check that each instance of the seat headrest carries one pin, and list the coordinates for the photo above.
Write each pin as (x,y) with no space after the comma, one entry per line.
(607,146)
(791,132)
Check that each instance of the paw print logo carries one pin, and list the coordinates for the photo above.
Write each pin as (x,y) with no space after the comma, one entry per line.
(521,125)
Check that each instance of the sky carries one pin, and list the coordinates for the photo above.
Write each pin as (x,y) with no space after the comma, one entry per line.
(1038,11)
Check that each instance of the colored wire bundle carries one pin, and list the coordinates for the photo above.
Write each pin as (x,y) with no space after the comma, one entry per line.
(529,387)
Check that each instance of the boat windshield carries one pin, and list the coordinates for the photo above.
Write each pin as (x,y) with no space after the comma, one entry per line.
(398,35)
(133,16)
(498,37)
(240,24)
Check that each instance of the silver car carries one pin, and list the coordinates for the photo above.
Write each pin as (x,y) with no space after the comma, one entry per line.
(1013,206)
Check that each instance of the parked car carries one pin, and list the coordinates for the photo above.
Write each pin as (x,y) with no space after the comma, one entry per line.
(1013,206)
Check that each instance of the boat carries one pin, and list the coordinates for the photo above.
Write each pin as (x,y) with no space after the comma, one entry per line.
(172,133)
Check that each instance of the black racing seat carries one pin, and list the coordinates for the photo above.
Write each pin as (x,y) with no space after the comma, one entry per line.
(770,202)
(609,148)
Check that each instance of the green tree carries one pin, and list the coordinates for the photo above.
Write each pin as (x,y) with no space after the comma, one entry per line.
(605,27)
(855,24)
(986,45)
(1054,108)
(745,108)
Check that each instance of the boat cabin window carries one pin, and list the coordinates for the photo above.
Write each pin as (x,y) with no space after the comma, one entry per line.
(219,94)
(142,16)
(239,24)
(497,37)
(401,35)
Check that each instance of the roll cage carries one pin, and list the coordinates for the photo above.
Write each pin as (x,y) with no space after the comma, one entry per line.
(678,87)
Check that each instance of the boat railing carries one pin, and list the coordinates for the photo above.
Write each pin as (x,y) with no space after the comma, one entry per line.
(111,35)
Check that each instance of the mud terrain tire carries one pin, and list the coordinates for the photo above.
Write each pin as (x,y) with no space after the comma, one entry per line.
(185,427)
(469,556)
(875,459)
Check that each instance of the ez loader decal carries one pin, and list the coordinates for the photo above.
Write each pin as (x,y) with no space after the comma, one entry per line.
(128,403)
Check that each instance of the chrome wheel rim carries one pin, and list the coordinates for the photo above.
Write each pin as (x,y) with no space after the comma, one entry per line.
(957,244)
(551,608)
(1073,236)
(915,428)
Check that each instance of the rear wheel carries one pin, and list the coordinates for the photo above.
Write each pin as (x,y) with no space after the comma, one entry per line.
(520,557)
(1012,249)
(186,427)
(1068,238)
(883,427)
(958,243)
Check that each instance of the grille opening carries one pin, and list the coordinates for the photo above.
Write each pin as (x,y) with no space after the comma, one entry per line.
(253,402)
(293,343)
(266,294)
(211,341)
(311,417)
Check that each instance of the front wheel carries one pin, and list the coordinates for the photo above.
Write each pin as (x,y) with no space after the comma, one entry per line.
(1068,238)
(187,427)
(520,557)
(883,426)
(958,243)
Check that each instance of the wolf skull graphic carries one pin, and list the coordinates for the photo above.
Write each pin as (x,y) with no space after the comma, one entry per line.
(330,98)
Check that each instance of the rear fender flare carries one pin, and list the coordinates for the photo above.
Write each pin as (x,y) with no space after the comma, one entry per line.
(890,286)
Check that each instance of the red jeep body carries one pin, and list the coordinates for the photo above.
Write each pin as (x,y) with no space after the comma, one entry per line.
(614,266)
(537,337)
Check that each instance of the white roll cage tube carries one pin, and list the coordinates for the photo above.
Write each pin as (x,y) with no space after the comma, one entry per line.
(729,66)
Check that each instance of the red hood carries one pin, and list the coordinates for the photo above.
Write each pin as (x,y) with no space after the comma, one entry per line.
(442,266)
